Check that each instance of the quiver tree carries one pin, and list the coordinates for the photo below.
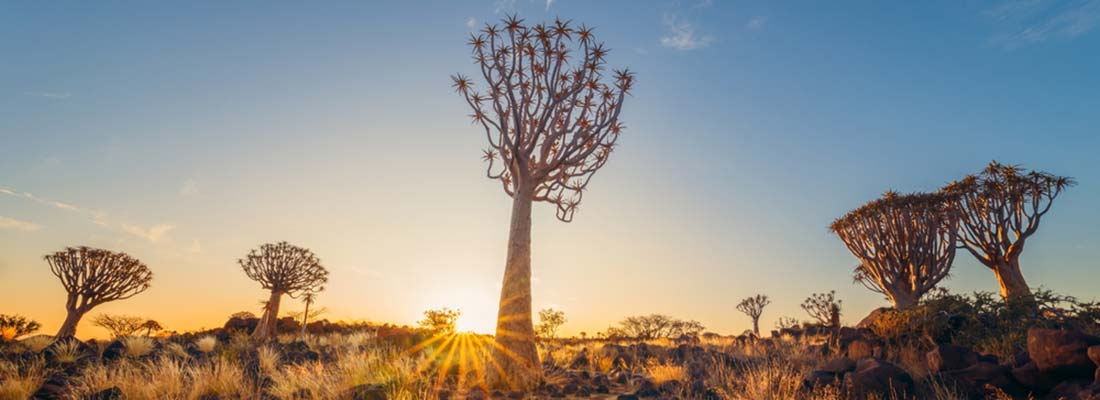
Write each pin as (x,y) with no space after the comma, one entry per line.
(282,268)
(551,119)
(1001,208)
(823,308)
(905,244)
(93,277)
(754,307)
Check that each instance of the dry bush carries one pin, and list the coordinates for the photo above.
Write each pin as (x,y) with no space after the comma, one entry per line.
(67,352)
(137,346)
(206,344)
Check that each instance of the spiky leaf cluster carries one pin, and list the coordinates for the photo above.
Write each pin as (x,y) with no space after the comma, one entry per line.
(549,113)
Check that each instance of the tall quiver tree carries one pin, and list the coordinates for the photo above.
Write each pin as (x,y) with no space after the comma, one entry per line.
(905,244)
(551,118)
(282,268)
(1001,208)
(754,308)
(93,277)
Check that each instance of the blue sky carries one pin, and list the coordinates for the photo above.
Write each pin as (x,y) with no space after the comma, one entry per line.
(187,134)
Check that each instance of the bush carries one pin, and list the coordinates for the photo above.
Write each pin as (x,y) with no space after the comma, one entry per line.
(14,326)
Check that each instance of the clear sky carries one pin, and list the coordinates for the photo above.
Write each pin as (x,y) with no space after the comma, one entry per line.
(186,134)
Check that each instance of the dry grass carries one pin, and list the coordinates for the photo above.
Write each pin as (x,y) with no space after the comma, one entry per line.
(137,346)
(665,372)
(67,352)
(20,383)
(37,343)
(206,344)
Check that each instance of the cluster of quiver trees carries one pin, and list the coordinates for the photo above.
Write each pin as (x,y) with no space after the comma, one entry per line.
(93,276)
(906,243)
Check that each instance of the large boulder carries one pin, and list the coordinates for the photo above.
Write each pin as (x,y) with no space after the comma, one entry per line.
(869,321)
(1062,354)
(948,357)
(878,376)
(860,348)
(1029,375)
(976,380)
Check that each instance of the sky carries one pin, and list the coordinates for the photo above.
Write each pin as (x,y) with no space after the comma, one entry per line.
(187,134)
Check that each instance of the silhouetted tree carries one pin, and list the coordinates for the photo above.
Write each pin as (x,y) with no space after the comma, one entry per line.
(119,325)
(14,326)
(151,326)
(93,277)
(1001,208)
(653,326)
(823,308)
(549,322)
(754,307)
(552,120)
(786,323)
(282,268)
(440,321)
(905,244)
(308,297)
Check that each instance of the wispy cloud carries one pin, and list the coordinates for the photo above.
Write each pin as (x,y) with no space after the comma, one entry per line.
(504,6)
(154,234)
(549,3)
(50,95)
(757,23)
(18,225)
(682,35)
(190,187)
(1020,23)
(471,23)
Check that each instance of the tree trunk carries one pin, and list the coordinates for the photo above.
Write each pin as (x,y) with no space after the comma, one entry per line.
(756,326)
(515,351)
(305,320)
(68,328)
(270,319)
(1013,285)
(903,300)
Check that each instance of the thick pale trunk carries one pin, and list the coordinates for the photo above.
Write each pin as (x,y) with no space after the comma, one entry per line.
(68,328)
(903,300)
(756,326)
(515,351)
(1013,285)
(266,328)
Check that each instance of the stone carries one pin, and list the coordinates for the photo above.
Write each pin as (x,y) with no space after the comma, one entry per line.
(1031,378)
(839,365)
(859,349)
(977,377)
(580,361)
(874,375)
(367,392)
(949,357)
(819,379)
(111,393)
(1062,354)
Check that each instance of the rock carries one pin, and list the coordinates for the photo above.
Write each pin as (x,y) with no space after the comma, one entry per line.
(1094,355)
(476,394)
(580,361)
(627,397)
(241,324)
(569,388)
(54,387)
(671,387)
(839,365)
(859,349)
(869,321)
(299,352)
(516,395)
(1031,378)
(975,379)
(949,357)
(602,389)
(114,351)
(878,376)
(819,379)
(366,392)
(1062,354)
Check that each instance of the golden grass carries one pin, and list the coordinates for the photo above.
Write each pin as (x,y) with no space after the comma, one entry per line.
(67,352)
(665,372)
(206,344)
(37,343)
(137,346)
(16,384)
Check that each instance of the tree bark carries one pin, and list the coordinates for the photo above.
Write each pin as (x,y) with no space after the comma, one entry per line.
(515,350)
(68,328)
(756,326)
(903,300)
(269,321)
(1013,285)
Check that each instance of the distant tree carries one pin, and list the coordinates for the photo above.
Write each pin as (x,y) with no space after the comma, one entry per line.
(549,322)
(93,277)
(243,315)
(905,244)
(13,327)
(786,323)
(823,308)
(584,335)
(653,326)
(754,307)
(551,118)
(282,268)
(151,326)
(119,325)
(440,321)
(308,298)
(1001,208)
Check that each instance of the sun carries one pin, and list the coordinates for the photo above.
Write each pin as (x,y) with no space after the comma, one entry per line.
(475,320)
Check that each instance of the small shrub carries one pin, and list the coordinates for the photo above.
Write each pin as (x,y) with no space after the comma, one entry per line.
(206,344)
(67,352)
(137,346)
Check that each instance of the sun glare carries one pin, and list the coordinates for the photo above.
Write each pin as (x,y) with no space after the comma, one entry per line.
(476,322)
